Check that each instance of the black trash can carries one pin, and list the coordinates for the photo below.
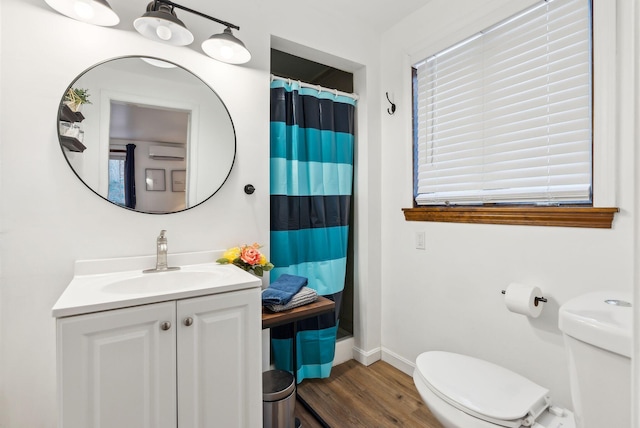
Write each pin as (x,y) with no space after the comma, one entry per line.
(278,399)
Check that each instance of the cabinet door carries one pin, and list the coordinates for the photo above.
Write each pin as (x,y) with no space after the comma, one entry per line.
(117,369)
(219,373)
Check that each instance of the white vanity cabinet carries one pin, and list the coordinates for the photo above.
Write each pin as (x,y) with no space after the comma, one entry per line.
(186,363)
(219,360)
(118,368)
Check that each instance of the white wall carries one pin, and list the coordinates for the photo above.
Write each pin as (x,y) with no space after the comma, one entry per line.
(635,70)
(50,219)
(2,357)
(447,297)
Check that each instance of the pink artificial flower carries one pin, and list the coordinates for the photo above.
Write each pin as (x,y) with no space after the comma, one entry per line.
(250,255)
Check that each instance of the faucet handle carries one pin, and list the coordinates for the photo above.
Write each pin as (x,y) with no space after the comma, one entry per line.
(162,233)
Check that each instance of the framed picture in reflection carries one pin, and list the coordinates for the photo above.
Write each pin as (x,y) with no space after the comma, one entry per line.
(178,180)
(155,180)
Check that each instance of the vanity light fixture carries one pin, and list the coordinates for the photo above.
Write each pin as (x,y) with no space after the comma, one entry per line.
(160,23)
(96,12)
(226,47)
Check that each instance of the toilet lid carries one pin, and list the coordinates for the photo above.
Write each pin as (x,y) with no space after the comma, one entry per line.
(481,388)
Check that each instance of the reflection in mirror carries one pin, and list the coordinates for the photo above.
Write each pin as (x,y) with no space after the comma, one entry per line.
(139,117)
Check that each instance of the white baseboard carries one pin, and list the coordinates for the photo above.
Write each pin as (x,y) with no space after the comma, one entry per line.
(398,362)
(344,351)
(366,357)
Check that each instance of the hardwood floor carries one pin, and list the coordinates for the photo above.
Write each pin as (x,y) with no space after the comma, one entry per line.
(357,396)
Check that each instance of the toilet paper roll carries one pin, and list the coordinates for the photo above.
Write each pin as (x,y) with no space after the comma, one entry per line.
(521,299)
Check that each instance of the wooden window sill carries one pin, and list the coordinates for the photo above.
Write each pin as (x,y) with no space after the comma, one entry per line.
(590,217)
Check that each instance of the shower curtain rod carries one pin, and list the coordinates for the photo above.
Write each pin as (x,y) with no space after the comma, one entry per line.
(316,87)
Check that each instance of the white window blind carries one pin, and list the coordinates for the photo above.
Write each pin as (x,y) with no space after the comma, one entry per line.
(505,116)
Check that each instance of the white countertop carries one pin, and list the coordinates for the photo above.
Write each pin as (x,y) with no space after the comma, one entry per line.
(106,284)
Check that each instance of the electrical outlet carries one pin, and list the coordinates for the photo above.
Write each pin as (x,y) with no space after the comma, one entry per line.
(420,241)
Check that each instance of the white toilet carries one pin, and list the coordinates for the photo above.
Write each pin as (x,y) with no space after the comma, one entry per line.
(466,392)
(597,329)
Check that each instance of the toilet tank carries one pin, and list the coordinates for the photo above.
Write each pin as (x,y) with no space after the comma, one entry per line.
(597,331)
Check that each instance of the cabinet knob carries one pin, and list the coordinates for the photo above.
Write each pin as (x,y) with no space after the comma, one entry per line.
(188,321)
(165,325)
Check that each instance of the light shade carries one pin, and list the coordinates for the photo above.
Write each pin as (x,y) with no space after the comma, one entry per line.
(96,12)
(161,24)
(226,48)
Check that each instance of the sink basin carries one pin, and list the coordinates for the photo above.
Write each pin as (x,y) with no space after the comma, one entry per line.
(160,282)
(602,319)
(106,284)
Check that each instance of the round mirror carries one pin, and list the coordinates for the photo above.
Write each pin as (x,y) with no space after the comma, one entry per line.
(146,134)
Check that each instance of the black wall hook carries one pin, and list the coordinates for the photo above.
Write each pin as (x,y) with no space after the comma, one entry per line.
(392,109)
(249,189)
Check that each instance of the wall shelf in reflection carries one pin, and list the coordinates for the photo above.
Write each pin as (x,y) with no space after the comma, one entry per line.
(72,143)
(68,115)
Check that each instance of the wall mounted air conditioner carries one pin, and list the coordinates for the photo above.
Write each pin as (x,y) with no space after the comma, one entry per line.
(166,153)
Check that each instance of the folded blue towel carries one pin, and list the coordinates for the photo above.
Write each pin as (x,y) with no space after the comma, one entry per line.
(282,290)
(304,296)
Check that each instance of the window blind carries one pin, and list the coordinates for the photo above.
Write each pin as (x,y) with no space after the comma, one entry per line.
(505,116)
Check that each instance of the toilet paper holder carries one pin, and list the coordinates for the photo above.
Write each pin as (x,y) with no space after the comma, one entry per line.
(536,299)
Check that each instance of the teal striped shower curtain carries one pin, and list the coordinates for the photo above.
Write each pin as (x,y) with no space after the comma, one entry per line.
(312,141)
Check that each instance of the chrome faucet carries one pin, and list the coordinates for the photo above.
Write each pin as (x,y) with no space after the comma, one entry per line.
(161,256)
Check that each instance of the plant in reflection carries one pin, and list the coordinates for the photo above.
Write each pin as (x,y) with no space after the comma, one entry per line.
(247,257)
(75,97)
